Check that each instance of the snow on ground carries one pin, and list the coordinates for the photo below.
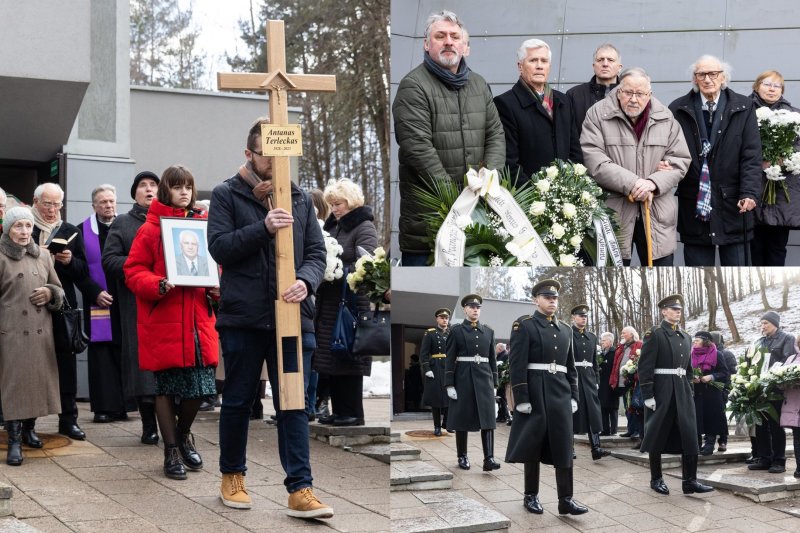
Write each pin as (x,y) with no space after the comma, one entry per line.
(747,315)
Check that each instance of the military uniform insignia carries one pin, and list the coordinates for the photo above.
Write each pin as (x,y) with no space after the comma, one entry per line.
(648,333)
(515,326)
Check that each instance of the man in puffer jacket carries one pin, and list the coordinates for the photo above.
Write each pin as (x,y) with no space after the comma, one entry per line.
(445,122)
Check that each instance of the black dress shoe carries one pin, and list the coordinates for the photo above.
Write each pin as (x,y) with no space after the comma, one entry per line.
(692,486)
(570,506)
(463,462)
(348,421)
(101,418)
(774,469)
(490,464)
(71,430)
(437,432)
(149,436)
(759,465)
(173,467)
(531,503)
(328,420)
(599,453)
(626,434)
(659,486)
(751,460)
(189,454)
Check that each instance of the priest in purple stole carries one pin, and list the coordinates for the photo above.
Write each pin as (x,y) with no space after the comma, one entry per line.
(106,396)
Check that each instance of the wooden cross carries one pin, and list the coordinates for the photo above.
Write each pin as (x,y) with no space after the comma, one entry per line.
(277,82)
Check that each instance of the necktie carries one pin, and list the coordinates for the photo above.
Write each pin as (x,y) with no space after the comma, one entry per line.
(711,105)
(193,269)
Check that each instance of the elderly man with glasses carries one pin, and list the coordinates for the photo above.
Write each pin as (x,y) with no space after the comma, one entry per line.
(635,150)
(724,179)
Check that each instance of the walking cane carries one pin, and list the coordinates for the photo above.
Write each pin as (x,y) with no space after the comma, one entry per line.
(747,258)
(647,231)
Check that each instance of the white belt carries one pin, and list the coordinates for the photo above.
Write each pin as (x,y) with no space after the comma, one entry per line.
(476,359)
(550,367)
(671,371)
(583,363)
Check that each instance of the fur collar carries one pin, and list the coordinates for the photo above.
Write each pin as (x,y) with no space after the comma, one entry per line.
(350,220)
(15,251)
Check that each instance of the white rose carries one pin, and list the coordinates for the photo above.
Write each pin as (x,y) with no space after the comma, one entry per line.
(580,170)
(379,253)
(543,185)
(551,172)
(569,210)
(753,379)
(576,240)
(557,230)
(751,371)
(537,208)
(586,197)
(567,260)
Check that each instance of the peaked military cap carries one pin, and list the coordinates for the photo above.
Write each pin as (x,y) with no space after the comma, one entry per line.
(471,299)
(706,336)
(546,287)
(674,301)
(580,309)
(443,311)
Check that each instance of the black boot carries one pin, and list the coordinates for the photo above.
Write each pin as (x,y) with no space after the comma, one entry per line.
(461,450)
(68,419)
(436,412)
(189,454)
(778,466)
(487,440)
(173,467)
(597,451)
(708,446)
(566,505)
(531,500)
(149,425)
(656,478)
(753,452)
(690,484)
(29,436)
(14,455)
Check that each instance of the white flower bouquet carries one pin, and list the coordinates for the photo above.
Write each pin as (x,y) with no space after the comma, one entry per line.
(779,130)
(333,264)
(371,277)
(782,377)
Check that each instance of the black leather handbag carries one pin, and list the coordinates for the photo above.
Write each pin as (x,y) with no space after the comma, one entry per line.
(373,331)
(68,331)
(344,329)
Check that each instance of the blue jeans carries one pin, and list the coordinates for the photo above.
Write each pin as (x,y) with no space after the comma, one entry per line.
(244,352)
(311,379)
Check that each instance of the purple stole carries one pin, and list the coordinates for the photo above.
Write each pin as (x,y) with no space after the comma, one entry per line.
(100,318)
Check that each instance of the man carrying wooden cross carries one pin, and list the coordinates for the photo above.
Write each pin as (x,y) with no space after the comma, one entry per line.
(242,228)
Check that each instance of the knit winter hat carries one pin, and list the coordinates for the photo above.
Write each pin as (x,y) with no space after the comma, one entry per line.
(772,316)
(14,214)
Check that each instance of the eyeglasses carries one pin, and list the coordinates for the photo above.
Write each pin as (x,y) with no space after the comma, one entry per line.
(712,75)
(51,205)
(261,154)
(631,94)
(773,85)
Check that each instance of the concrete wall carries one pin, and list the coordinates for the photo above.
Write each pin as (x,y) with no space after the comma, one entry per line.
(662,37)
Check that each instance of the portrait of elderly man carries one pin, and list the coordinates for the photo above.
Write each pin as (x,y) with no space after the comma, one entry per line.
(639,181)
(537,119)
(724,178)
(188,260)
(444,121)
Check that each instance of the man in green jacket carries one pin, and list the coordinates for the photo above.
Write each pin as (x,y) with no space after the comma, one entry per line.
(445,122)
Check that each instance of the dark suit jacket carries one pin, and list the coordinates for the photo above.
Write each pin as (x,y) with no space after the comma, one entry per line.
(533,140)
(200,262)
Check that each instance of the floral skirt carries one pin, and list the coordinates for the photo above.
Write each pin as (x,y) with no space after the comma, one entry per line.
(189,382)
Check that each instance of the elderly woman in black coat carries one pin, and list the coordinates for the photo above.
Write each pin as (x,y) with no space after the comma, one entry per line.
(709,401)
(351,224)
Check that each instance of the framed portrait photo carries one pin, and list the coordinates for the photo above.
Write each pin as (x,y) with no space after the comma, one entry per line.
(186,252)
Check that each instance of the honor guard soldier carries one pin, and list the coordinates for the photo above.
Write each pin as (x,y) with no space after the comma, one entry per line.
(545,387)
(665,375)
(432,355)
(587,419)
(471,378)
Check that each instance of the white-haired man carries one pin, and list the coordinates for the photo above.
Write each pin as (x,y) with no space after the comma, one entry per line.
(724,179)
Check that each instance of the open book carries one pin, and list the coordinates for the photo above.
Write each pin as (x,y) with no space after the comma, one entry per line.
(58,245)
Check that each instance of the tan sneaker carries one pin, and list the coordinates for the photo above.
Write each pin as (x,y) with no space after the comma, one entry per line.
(232,491)
(303,504)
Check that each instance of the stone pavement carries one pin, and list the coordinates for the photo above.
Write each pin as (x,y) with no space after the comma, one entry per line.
(617,493)
(112,482)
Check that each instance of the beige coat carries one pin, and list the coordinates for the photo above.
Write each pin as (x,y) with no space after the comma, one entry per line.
(615,160)
(28,371)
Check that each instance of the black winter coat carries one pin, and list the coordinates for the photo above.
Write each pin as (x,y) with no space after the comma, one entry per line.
(587,418)
(434,345)
(584,96)
(734,165)
(239,242)
(546,433)
(533,140)
(672,427)
(709,401)
(474,382)
(608,398)
(354,229)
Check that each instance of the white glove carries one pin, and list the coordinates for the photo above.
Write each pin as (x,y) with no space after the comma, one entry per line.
(451,392)
(650,403)
(574,405)
(525,408)
(598,386)
(429,374)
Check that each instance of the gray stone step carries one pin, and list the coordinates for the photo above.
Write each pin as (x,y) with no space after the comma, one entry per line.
(735,454)
(404,452)
(758,486)
(419,475)
(350,435)
(380,452)
(10,524)
(394,436)
(615,441)
(449,511)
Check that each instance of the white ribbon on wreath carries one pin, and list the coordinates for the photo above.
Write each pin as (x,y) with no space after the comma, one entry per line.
(451,240)
(606,242)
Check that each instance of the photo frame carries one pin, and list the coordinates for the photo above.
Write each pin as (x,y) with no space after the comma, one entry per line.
(188,262)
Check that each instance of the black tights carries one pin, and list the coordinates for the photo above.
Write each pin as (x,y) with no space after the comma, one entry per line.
(167,411)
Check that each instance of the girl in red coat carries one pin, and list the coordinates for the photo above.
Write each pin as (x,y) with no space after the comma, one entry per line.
(177,338)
